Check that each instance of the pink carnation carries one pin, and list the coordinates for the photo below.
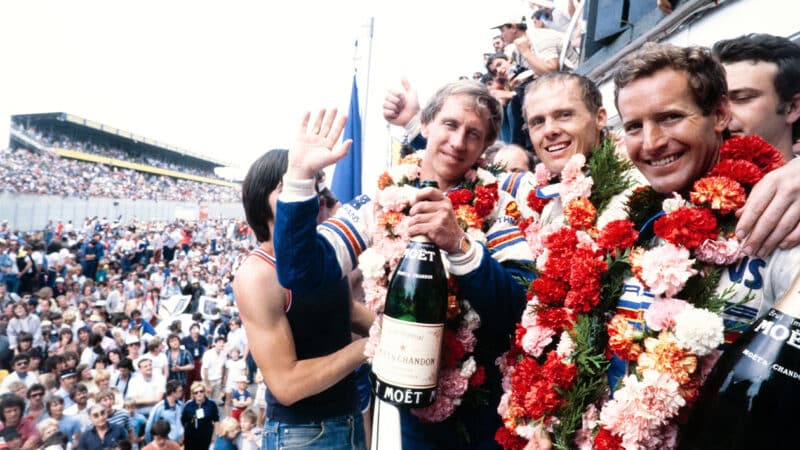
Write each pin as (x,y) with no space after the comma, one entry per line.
(452,384)
(502,407)
(374,295)
(666,268)
(536,339)
(467,339)
(720,251)
(640,408)
(442,408)
(661,314)
(584,438)
(391,198)
(543,176)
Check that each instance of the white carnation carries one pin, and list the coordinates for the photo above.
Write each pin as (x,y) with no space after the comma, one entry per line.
(699,330)
(485,176)
(372,264)
(674,203)
(565,345)
(468,368)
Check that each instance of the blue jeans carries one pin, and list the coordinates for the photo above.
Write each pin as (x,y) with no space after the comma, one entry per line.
(340,433)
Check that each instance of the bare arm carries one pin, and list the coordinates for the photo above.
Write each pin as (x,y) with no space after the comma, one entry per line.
(361,318)
(288,378)
(538,64)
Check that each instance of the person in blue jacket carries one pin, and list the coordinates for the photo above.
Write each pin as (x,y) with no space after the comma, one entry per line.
(460,122)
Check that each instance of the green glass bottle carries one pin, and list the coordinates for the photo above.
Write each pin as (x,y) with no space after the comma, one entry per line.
(406,363)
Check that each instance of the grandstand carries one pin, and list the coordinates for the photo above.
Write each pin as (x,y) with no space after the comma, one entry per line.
(70,136)
(62,166)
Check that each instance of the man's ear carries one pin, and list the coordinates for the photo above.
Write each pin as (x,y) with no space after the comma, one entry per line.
(793,109)
(722,114)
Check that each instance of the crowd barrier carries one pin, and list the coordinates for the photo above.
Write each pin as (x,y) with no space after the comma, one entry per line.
(27,212)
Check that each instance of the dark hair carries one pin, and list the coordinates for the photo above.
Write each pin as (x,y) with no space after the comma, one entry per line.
(58,438)
(160,428)
(125,363)
(20,357)
(24,336)
(705,76)
(328,197)
(172,386)
(220,338)
(52,400)
(36,387)
(11,401)
(777,50)
(77,387)
(262,178)
(492,58)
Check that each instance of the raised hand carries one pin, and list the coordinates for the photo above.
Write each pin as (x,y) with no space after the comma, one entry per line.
(317,146)
(400,106)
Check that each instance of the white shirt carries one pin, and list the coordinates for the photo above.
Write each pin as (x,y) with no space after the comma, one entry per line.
(213,362)
(141,388)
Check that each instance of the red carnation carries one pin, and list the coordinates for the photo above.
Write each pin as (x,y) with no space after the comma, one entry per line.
(584,280)
(617,234)
(721,194)
(562,240)
(526,372)
(753,149)
(460,196)
(453,350)
(524,223)
(541,399)
(580,213)
(563,375)
(537,204)
(509,441)
(519,333)
(553,318)
(744,172)
(549,290)
(604,440)
(485,198)
(688,227)
(478,378)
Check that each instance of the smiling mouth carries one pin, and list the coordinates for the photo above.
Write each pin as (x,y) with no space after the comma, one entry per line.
(556,147)
(664,161)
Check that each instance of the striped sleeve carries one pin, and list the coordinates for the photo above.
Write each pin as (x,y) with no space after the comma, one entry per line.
(347,231)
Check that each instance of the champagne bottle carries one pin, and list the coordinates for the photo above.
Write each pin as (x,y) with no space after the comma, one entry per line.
(751,396)
(406,363)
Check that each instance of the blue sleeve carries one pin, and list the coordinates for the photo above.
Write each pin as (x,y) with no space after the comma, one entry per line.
(497,292)
(306,260)
(419,142)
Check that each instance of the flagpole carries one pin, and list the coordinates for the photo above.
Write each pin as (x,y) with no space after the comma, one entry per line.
(369,70)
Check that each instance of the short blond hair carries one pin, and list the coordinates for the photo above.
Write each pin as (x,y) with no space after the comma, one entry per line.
(229,428)
(47,428)
(101,375)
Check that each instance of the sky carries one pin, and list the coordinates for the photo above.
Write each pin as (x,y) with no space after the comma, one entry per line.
(232,79)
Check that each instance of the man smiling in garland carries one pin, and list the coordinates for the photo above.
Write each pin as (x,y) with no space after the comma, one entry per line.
(459,123)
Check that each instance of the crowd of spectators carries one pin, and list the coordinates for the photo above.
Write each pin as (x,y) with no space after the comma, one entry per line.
(54,139)
(115,335)
(34,172)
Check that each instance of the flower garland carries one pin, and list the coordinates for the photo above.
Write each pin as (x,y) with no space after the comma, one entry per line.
(475,208)
(669,359)
(556,366)
(555,373)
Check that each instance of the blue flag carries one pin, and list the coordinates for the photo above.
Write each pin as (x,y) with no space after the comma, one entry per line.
(347,176)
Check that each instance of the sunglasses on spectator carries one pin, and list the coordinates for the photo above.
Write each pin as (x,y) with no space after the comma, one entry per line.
(36,394)
(98,414)
(199,391)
